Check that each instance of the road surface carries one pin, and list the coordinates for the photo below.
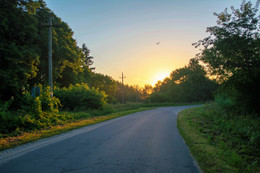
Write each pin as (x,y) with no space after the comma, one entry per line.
(142,142)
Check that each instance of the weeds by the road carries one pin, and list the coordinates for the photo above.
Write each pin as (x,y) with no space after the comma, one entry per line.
(83,119)
(220,141)
(59,122)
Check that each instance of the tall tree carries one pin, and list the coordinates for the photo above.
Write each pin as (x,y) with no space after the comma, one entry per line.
(232,52)
(18,51)
(70,62)
(24,49)
(87,59)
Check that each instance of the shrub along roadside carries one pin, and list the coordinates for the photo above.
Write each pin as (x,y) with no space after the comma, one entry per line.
(80,97)
(220,141)
(42,110)
(74,120)
(34,112)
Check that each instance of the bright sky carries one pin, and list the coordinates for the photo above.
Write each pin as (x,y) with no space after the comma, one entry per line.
(122,34)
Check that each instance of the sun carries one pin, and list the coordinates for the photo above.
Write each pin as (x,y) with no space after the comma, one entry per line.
(160,76)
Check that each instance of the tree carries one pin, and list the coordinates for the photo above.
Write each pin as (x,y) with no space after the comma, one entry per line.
(187,84)
(87,59)
(104,83)
(24,49)
(71,64)
(19,54)
(147,91)
(232,52)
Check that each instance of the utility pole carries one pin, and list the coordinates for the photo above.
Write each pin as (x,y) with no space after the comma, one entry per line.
(50,55)
(122,87)
(50,25)
(136,94)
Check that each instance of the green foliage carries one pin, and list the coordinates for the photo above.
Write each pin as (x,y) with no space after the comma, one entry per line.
(24,49)
(232,53)
(35,112)
(8,121)
(232,139)
(24,55)
(38,105)
(104,83)
(241,134)
(18,51)
(234,42)
(80,97)
(225,100)
(71,64)
(49,104)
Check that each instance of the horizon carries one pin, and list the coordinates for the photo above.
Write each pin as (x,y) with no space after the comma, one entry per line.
(123,36)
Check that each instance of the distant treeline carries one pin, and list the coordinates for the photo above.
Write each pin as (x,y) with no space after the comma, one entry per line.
(187,84)
(227,68)
(24,58)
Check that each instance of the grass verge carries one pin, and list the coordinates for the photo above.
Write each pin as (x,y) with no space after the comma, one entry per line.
(221,142)
(25,137)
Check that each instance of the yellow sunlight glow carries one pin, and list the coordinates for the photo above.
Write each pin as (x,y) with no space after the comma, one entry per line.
(160,76)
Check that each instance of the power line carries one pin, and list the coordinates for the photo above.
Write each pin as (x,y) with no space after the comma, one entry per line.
(104,65)
(101,61)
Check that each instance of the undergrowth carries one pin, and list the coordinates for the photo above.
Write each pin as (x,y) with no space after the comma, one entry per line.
(230,140)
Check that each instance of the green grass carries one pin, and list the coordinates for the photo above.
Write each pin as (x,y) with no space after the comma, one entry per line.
(84,119)
(68,120)
(220,141)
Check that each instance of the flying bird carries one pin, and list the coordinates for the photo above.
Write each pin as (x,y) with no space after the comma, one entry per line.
(157,43)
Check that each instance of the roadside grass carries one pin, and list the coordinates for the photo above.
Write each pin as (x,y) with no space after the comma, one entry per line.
(70,120)
(221,142)
(83,119)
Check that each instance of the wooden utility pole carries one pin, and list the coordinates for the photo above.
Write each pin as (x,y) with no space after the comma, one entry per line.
(122,87)
(50,56)
(136,97)
(50,25)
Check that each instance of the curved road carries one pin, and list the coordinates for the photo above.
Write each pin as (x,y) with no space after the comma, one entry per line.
(146,141)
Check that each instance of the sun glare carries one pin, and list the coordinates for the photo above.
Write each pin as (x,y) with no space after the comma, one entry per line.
(160,76)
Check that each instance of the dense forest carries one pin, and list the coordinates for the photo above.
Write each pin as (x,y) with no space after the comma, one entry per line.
(227,69)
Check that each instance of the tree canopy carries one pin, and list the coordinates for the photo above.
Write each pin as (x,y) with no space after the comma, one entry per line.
(187,84)
(232,52)
(24,49)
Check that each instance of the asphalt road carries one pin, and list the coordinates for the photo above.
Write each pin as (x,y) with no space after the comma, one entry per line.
(146,141)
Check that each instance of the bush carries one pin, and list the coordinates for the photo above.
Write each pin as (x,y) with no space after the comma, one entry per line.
(35,112)
(49,104)
(225,102)
(43,103)
(80,97)
(8,122)
(42,111)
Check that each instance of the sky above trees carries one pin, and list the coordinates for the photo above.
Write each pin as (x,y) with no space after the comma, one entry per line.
(122,35)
